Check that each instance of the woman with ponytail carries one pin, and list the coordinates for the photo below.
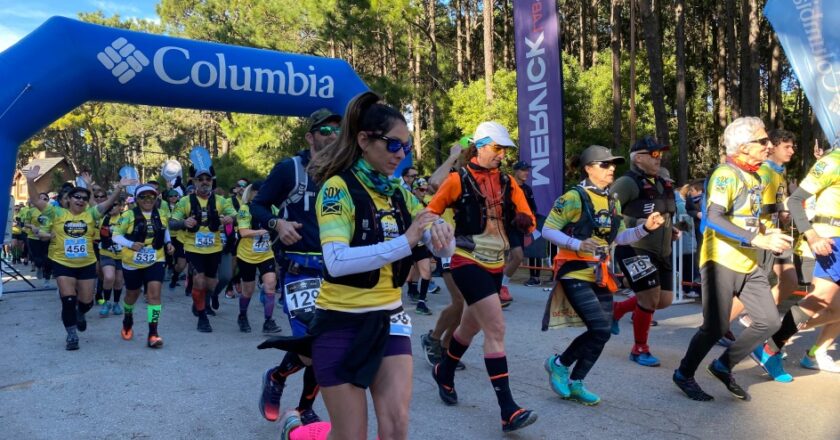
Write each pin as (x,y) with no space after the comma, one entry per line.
(369,226)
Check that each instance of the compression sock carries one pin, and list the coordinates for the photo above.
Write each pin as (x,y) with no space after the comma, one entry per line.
(153,316)
(268,307)
(791,323)
(813,351)
(243,304)
(290,364)
(412,289)
(106,294)
(128,316)
(446,368)
(84,307)
(424,289)
(68,311)
(309,391)
(642,318)
(117,294)
(621,308)
(198,296)
(497,369)
(99,299)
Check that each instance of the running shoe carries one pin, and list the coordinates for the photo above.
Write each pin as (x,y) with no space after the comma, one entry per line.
(308,416)
(204,324)
(413,297)
(460,366)
(422,309)
(117,309)
(272,391)
(432,348)
(269,326)
(105,309)
(690,387)
(210,312)
(194,311)
(518,420)
(433,288)
(717,370)
(154,341)
(244,325)
(772,364)
(579,393)
(230,295)
(81,321)
(290,422)
(533,282)
(128,322)
(614,327)
(126,333)
(72,341)
(446,392)
(39,273)
(821,362)
(214,301)
(727,339)
(645,359)
(504,296)
(558,376)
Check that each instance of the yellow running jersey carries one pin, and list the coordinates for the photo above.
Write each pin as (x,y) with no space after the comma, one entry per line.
(73,242)
(202,241)
(148,255)
(255,249)
(823,181)
(773,194)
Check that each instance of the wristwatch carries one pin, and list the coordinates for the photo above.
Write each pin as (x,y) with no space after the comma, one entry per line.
(272,224)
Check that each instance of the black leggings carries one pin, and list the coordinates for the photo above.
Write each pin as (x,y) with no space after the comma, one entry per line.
(594,305)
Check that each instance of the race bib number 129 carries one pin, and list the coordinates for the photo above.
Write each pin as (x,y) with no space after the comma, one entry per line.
(301,295)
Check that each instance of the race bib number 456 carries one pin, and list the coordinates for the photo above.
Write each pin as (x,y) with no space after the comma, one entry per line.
(75,247)
(301,295)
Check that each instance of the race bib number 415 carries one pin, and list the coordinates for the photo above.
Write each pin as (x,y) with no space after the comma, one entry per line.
(301,295)
(75,247)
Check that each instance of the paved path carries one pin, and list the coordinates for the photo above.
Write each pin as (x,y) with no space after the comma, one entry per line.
(205,386)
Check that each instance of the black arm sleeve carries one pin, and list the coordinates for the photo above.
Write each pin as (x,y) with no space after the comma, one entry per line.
(718,221)
(273,191)
(796,206)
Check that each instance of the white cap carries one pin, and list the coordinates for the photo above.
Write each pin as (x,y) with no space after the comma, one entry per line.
(495,132)
(144,188)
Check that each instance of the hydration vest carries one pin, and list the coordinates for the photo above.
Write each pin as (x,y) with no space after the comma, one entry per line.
(139,233)
(663,203)
(105,238)
(368,231)
(213,221)
(584,228)
(471,209)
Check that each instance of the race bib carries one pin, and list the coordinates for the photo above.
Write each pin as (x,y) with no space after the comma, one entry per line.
(301,295)
(205,239)
(75,247)
(401,324)
(145,256)
(261,244)
(638,267)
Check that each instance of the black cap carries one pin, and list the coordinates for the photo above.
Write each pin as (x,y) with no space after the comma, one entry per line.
(648,144)
(597,153)
(321,116)
(76,189)
(522,165)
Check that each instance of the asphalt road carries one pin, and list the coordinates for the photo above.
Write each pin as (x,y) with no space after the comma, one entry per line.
(206,386)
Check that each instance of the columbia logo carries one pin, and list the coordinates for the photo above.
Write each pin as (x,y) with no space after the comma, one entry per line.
(834,105)
(122,59)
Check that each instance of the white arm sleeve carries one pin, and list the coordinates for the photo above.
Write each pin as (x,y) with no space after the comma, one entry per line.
(560,239)
(631,235)
(122,241)
(341,259)
(166,237)
(446,252)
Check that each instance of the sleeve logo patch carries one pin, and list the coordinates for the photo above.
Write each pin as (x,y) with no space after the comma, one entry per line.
(331,202)
(819,168)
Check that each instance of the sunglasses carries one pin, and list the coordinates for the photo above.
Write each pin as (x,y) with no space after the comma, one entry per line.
(654,154)
(762,141)
(326,130)
(147,197)
(205,179)
(394,145)
(100,196)
(83,198)
(413,176)
(604,165)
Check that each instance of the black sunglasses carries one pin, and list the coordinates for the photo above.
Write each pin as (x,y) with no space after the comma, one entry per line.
(326,130)
(604,165)
(394,145)
(762,141)
(84,198)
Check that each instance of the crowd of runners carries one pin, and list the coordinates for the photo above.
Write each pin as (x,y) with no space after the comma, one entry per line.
(334,238)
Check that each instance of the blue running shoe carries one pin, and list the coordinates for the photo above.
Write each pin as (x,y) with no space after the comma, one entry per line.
(614,328)
(558,377)
(290,421)
(821,362)
(772,364)
(645,359)
(580,394)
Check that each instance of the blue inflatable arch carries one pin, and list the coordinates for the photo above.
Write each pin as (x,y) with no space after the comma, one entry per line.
(65,63)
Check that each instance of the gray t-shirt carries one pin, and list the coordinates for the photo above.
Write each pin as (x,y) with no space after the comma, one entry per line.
(658,242)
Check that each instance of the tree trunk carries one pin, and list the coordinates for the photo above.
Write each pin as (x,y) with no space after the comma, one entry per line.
(774,90)
(632,72)
(434,78)
(733,77)
(506,50)
(653,43)
(459,35)
(593,31)
(615,43)
(682,122)
(582,35)
(750,85)
(488,50)
(720,76)
(468,29)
